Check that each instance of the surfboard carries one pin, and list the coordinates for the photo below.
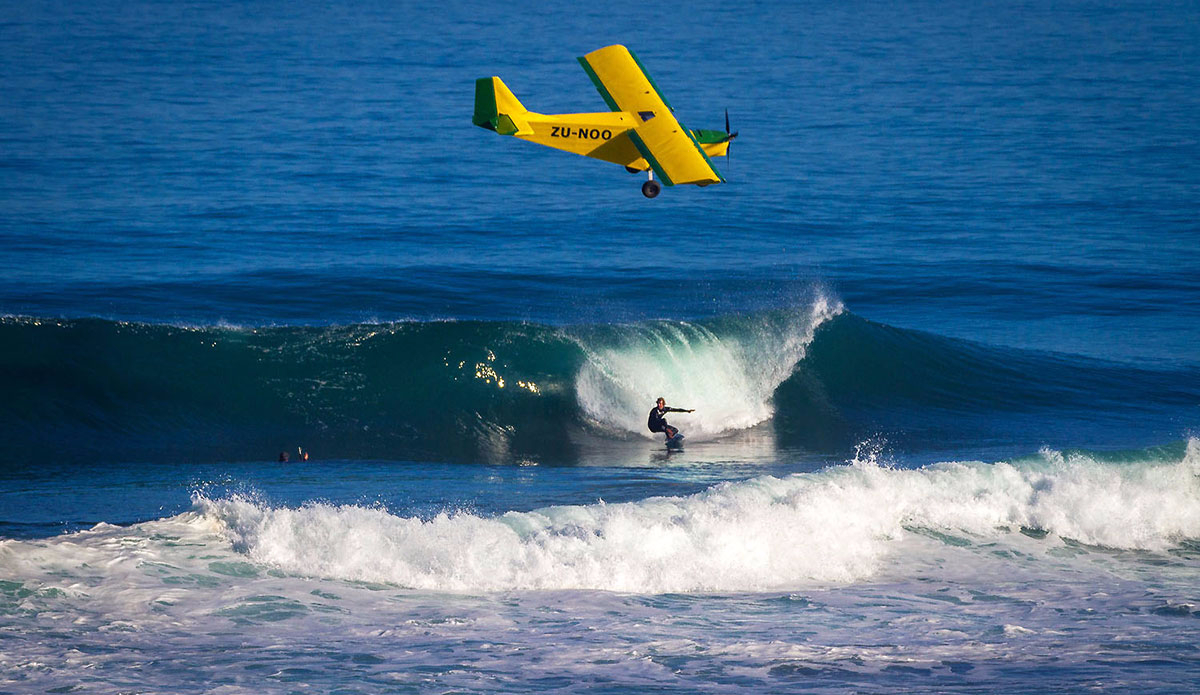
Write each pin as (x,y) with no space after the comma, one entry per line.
(675,442)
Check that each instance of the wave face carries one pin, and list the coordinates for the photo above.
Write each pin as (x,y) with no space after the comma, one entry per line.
(87,390)
(727,371)
(842,525)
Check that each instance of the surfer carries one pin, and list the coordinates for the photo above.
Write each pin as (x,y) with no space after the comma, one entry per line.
(657,421)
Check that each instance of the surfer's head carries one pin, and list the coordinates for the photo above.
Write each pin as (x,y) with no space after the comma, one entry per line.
(661,401)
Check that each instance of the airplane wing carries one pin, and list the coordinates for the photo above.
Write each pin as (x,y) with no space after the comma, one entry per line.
(668,147)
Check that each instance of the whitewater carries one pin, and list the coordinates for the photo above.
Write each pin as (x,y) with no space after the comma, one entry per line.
(1009,557)
(764,534)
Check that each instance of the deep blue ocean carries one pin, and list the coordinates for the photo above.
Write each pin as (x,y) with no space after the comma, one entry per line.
(940,330)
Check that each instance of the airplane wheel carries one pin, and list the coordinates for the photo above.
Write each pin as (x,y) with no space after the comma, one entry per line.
(651,189)
(632,170)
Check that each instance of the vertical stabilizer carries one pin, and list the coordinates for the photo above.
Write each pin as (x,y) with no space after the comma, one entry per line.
(498,109)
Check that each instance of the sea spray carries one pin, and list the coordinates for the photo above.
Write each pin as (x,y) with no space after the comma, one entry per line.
(728,376)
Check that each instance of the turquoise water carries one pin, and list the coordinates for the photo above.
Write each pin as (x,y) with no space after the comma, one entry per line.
(939,330)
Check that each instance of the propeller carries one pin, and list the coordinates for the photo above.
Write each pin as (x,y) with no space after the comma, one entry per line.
(729,136)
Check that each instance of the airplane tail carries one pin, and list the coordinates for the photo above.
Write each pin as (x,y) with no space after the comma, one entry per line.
(496,108)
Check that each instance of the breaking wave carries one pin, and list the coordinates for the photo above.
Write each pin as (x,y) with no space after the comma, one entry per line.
(103,391)
(843,524)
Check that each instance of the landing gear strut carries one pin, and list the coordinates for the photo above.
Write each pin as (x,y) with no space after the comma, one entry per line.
(651,188)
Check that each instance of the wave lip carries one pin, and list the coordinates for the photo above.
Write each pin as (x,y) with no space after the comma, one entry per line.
(840,525)
(727,373)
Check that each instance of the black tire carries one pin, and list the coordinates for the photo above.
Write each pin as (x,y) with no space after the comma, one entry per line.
(651,189)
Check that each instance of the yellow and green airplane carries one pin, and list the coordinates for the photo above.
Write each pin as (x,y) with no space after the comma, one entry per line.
(640,133)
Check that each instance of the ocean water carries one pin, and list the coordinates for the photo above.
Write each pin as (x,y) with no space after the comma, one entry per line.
(941,332)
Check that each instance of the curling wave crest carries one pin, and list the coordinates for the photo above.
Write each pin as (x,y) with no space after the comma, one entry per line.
(728,376)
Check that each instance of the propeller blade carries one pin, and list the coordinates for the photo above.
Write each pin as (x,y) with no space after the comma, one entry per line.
(728,140)
(728,135)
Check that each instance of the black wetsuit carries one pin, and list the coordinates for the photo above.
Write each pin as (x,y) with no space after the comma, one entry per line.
(657,421)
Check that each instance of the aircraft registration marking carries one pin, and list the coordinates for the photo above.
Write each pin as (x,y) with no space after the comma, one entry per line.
(558,131)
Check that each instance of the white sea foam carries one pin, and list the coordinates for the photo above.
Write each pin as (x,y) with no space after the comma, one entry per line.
(729,378)
(931,561)
(839,525)
(124,575)
(846,524)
